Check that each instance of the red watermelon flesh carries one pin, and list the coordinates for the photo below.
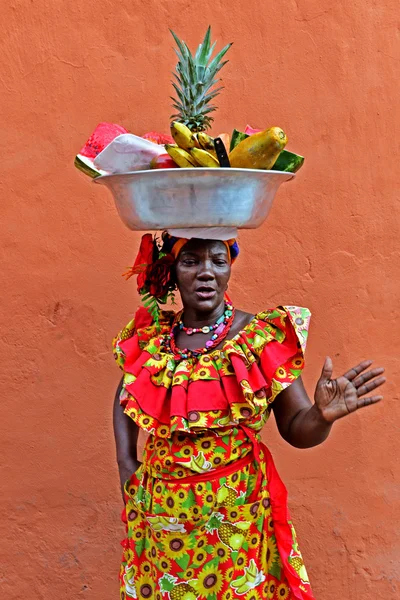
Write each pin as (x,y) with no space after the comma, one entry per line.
(100,138)
(103,135)
(158,138)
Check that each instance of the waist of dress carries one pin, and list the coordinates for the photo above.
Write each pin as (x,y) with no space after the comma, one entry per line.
(217,473)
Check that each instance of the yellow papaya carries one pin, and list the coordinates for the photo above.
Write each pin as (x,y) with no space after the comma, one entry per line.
(259,151)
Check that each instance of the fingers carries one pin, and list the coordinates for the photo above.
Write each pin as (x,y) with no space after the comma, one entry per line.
(327,369)
(358,381)
(352,373)
(368,401)
(370,385)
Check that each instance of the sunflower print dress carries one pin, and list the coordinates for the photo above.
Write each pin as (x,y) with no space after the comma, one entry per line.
(206,513)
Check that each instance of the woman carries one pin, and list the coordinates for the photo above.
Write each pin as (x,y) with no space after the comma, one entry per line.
(206,512)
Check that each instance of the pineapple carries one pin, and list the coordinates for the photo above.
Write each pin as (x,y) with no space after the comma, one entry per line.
(226,496)
(195,77)
(231,535)
(182,591)
(295,558)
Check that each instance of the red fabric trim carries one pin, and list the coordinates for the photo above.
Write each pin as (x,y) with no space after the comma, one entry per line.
(275,355)
(142,318)
(283,532)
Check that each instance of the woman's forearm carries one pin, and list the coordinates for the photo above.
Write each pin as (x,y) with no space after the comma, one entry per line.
(299,421)
(307,428)
(126,434)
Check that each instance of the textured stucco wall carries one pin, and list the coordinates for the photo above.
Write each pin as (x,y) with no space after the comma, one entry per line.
(326,73)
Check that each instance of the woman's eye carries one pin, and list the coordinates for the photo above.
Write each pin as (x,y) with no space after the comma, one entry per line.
(220,263)
(189,263)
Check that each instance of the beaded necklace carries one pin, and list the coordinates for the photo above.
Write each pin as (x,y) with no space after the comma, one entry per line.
(218,325)
(220,334)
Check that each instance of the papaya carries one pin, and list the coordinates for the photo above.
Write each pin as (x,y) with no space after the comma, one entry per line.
(259,151)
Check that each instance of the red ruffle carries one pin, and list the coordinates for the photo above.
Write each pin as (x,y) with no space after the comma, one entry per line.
(240,380)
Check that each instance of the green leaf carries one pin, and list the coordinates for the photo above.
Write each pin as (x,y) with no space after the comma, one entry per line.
(190,500)
(203,50)
(180,44)
(275,570)
(213,64)
(140,547)
(183,561)
(178,91)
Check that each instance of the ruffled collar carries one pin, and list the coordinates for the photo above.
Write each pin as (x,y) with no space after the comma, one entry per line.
(240,379)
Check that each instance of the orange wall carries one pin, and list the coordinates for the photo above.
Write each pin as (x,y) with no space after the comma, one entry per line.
(326,73)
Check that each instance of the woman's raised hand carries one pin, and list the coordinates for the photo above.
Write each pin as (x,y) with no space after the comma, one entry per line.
(336,398)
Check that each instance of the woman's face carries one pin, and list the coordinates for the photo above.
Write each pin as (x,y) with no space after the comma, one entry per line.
(202,271)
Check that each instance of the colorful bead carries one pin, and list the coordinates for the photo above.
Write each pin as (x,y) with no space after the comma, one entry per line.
(221,331)
(222,320)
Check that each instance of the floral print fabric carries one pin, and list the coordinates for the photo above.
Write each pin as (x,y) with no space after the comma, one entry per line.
(206,513)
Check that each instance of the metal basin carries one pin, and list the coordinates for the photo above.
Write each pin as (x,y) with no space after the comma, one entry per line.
(178,198)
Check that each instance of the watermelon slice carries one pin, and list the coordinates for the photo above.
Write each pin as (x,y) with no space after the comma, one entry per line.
(100,138)
(158,138)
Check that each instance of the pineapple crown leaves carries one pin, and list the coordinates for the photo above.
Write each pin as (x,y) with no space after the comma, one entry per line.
(214,522)
(194,79)
(167,583)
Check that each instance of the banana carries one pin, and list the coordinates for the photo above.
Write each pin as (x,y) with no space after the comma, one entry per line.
(251,578)
(223,421)
(182,135)
(204,158)
(239,582)
(196,141)
(181,157)
(206,143)
(199,463)
(252,569)
(243,589)
(155,523)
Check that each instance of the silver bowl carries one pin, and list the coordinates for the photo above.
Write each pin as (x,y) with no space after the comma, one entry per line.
(179,198)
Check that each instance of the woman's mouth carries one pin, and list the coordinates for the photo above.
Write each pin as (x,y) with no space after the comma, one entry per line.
(205,292)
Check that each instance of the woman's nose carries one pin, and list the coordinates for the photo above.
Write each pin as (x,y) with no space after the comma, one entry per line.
(205,271)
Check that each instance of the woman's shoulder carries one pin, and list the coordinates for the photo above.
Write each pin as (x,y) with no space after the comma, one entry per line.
(242,320)
(275,323)
(141,329)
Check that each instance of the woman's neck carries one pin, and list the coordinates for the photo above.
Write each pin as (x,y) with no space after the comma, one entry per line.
(194,318)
